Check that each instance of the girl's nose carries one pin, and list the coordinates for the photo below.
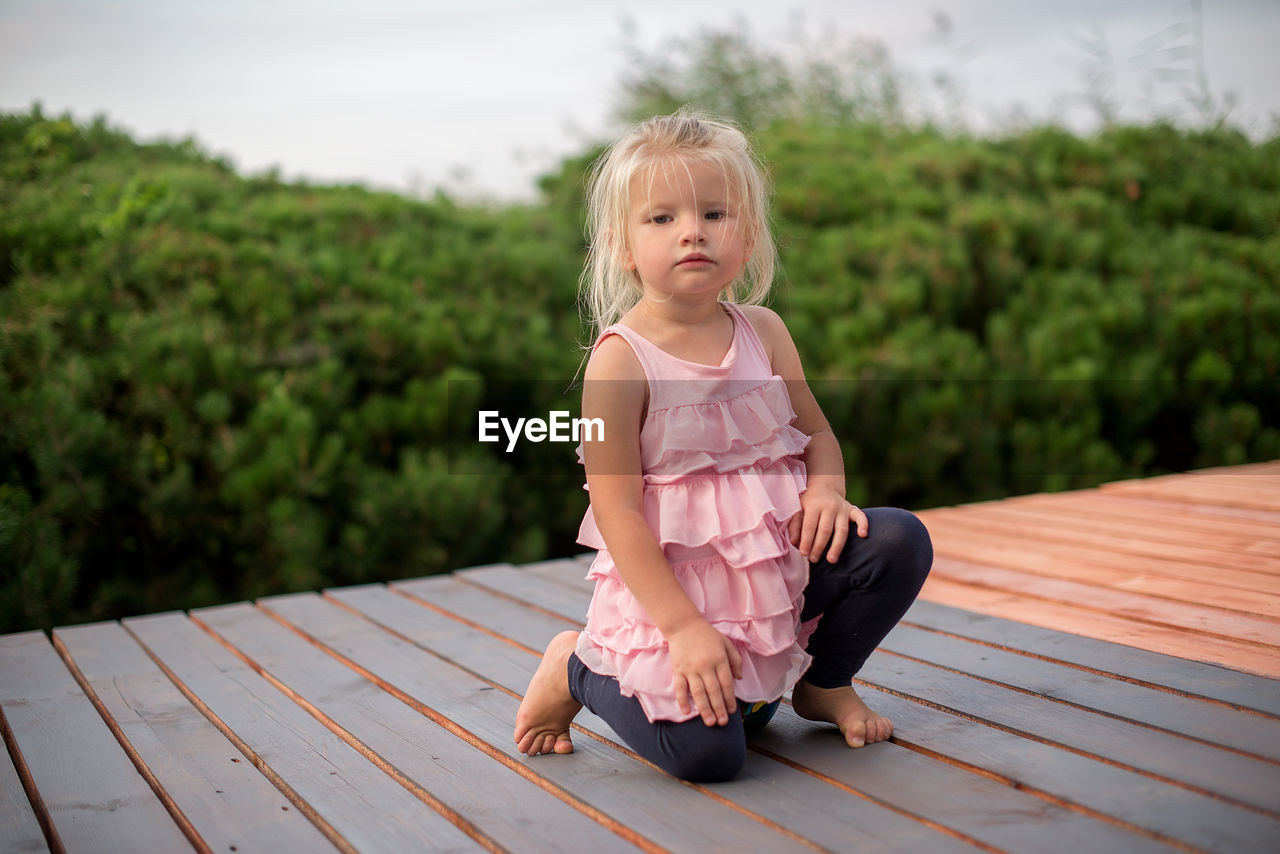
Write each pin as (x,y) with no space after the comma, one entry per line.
(692,232)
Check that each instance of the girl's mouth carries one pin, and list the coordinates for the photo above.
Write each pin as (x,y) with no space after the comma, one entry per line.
(694,258)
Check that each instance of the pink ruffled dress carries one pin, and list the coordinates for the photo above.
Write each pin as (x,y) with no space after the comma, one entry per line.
(722,476)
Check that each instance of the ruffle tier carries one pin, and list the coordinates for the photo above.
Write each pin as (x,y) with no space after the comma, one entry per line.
(757,608)
(750,428)
(737,513)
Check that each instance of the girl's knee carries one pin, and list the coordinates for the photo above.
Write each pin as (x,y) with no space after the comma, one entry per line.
(901,534)
(716,757)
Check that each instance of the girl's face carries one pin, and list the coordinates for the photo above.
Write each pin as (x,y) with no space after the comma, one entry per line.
(686,237)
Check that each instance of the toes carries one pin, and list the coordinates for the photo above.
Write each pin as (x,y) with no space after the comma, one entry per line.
(563,744)
(878,729)
(856,734)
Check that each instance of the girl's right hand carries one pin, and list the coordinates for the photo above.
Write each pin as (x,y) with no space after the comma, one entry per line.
(705,664)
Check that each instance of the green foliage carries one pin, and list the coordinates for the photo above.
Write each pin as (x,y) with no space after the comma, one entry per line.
(1035,312)
(216,387)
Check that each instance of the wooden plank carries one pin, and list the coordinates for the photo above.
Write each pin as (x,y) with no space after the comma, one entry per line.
(1004,818)
(1212,621)
(93,795)
(1260,490)
(1003,546)
(227,802)
(566,572)
(571,572)
(955,799)
(1271,467)
(1153,534)
(1177,515)
(505,807)
(1240,690)
(1184,716)
(482,608)
(1243,780)
(19,827)
(358,806)
(1190,488)
(777,791)
(1075,619)
(533,589)
(1163,809)
(1123,546)
(668,813)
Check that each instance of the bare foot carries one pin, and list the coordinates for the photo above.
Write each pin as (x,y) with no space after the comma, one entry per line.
(844,708)
(542,723)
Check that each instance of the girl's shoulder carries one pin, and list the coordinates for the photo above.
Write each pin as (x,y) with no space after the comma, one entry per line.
(769,327)
(612,358)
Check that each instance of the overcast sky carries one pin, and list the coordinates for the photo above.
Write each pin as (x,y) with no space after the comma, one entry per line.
(481,96)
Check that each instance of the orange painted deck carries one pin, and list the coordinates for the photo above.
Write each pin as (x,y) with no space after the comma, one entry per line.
(379,718)
(1187,565)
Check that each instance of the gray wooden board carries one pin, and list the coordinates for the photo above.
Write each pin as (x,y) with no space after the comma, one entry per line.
(664,811)
(95,797)
(1184,716)
(1230,775)
(566,572)
(363,805)
(788,796)
(532,589)
(485,609)
(908,782)
(998,816)
(1191,817)
(19,828)
(447,638)
(507,808)
(1192,677)
(231,805)
(1126,795)
(571,572)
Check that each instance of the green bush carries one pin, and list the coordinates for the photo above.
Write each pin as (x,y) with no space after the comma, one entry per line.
(215,387)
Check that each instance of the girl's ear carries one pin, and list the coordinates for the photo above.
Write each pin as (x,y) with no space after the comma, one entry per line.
(619,250)
(749,245)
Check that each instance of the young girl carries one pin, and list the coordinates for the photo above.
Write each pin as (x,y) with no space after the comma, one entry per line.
(725,572)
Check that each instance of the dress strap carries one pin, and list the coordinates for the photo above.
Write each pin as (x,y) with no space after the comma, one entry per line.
(747,340)
(640,345)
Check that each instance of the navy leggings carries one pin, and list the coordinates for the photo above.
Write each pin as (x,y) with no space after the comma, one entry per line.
(860,597)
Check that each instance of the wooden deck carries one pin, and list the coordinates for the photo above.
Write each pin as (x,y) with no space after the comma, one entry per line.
(379,718)
(1187,565)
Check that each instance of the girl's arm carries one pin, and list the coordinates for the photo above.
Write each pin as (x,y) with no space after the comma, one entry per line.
(704,662)
(825,515)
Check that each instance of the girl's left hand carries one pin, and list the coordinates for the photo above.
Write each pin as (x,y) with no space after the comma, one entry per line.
(824,517)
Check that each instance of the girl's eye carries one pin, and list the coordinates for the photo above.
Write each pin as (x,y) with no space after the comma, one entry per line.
(715,215)
(660,219)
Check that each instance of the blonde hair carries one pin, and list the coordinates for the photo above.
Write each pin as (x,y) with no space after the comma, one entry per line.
(608,290)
